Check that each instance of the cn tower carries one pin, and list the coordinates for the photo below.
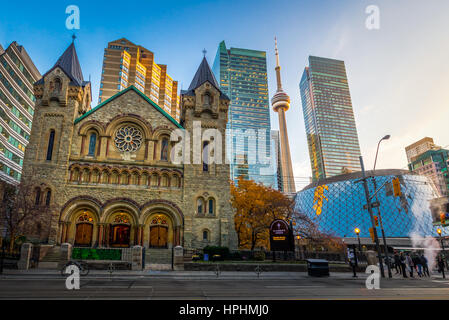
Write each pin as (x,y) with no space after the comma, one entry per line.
(281,103)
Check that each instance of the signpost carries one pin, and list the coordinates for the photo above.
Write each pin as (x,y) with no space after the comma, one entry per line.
(281,237)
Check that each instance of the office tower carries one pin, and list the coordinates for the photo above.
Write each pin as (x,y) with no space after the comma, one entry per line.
(17,76)
(126,64)
(329,118)
(242,76)
(427,159)
(281,103)
(277,158)
(419,148)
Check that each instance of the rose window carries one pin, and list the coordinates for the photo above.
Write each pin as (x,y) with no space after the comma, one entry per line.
(128,139)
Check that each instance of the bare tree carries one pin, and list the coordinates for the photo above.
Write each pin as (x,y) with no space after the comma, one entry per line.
(24,210)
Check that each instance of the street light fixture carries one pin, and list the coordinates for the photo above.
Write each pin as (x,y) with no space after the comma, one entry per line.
(378,209)
(357,232)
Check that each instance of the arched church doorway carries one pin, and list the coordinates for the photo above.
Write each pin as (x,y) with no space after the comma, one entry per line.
(120,232)
(84,230)
(159,232)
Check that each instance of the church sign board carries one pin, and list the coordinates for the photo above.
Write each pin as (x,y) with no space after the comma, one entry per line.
(280,236)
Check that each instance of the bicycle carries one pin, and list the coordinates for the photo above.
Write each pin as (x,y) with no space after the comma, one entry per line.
(82,266)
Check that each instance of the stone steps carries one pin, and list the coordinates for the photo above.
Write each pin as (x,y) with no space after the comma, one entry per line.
(51,259)
(158,256)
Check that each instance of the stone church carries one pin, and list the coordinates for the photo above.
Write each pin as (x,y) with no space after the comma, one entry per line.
(106,173)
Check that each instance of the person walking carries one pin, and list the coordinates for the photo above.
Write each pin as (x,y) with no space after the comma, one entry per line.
(440,263)
(409,264)
(425,265)
(417,263)
(397,262)
(403,266)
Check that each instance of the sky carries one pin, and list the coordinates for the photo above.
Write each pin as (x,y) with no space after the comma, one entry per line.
(398,74)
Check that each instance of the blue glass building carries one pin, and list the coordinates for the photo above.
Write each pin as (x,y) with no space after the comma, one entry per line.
(336,205)
(242,76)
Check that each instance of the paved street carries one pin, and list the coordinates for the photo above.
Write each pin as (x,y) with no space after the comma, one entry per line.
(206,285)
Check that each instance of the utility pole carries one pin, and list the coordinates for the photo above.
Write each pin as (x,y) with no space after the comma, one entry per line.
(370,210)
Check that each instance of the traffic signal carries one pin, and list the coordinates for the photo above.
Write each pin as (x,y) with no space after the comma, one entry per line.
(376,221)
(443,218)
(397,187)
(371,233)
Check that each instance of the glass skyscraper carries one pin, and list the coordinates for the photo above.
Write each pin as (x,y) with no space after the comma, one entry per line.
(242,75)
(329,118)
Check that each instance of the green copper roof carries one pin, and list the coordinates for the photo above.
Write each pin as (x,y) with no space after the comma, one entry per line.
(139,93)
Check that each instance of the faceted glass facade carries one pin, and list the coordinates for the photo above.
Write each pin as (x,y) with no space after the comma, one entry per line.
(336,205)
(329,119)
(242,75)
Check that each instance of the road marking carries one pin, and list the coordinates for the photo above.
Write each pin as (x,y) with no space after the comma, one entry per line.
(290,287)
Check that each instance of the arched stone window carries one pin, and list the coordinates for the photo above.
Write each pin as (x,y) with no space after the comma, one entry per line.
(211,206)
(85,176)
(51,141)
(95,176)
(105,177)
(206,156)
(164,181)
(76,174)
(48,197)
(92,144)
(124,178)
(37,199)
(135,178)
(154,180)
(207,100)
(144,179)
(175,181)
(57,86)
(114,177)
(164,149)
(200,206)
(205,235)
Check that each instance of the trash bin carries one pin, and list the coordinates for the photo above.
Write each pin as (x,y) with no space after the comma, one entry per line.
(317,267)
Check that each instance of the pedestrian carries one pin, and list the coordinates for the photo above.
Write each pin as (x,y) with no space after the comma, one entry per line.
(409,264)
(403,266)
(352,261)
(424,265)
(417,263)
(440,263)
(397,262)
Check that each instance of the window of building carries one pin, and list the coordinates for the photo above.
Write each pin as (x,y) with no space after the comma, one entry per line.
(201,206)
(206,156)
(205,235)
(51,141)
(164,149)
(48,198)
(37,200)
(92,144)
(211,206)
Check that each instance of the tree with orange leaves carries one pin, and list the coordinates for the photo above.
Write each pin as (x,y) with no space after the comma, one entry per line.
(256,207)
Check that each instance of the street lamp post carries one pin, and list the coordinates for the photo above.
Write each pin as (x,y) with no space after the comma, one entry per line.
(357,232)
(378,210)
(442,247)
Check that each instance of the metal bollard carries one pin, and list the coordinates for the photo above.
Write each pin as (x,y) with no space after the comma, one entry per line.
(258,271)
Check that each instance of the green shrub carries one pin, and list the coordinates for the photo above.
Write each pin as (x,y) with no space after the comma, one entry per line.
(259,256)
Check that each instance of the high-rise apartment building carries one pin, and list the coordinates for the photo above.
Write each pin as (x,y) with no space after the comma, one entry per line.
(242,76)
(17,76)
(427,159)
(419,148)
(329,118)
(126,64)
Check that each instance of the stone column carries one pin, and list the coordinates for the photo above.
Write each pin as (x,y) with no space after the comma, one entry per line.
(25,256)
(66,254)
(137,258)
(139,235)
(178,260)
(100,235)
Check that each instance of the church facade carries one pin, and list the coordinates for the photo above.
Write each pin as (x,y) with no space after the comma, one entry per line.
(107,174)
